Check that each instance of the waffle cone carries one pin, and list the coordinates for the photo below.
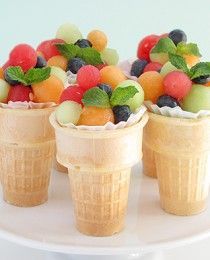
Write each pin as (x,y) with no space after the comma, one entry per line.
(99,164)
(26,149)
(181,152)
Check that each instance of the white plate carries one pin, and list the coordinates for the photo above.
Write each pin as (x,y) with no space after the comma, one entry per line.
(148,227)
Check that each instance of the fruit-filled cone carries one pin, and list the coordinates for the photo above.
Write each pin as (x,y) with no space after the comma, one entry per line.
(99,165)
(182,149)
(27,151)
(148,160)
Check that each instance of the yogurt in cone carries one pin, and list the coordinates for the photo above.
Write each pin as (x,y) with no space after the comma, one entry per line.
(99,165)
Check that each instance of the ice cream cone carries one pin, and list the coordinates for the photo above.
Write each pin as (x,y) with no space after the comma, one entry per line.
(148,160)
(26,149)
(99,164)
(182,150)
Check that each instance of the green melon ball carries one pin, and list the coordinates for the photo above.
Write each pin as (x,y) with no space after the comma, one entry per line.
(137,100)
(68,112)
(110,56)
(161,58)
(197,99)
(167,67)
(4,91)
(59,73)
(69,33)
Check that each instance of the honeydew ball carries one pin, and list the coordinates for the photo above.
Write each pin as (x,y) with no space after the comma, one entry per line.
(137,100)
(59,73)
(69,33)
(167,67)
(4,90)
(68,112)
(110,56)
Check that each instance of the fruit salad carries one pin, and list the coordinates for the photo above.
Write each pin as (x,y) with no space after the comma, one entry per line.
(40,75)
(99,97)
(170,72)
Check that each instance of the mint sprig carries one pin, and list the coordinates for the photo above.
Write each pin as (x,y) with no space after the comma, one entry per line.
(121,95)
(69,51)
(164,45)
(188,49)
(179,62)
(96,97)
(32,76)
(89,55)
(99,98)
(198,70)
(16,73)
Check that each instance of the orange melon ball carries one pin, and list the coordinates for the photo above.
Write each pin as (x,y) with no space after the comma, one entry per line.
(58,61)
(94,116)
(48,90)
(98,39)
(1,73)
(152,84)
(112,76)
(191,60)
(207,84)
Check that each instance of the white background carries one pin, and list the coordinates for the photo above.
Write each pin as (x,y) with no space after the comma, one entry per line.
(125,23)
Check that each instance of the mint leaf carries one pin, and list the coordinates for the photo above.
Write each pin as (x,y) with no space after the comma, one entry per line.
(121,95)
(200,69)
(164,45)
(69,51)
(90,56)
(188,48)
(179,62)
(16,73)
(96,97)
(37,75)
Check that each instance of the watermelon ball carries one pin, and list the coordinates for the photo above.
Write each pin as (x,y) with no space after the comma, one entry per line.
(23,55)
(88,77)
(145,46)
(153,66)
(20,93)
(73,93)
(48,48)
(177,84)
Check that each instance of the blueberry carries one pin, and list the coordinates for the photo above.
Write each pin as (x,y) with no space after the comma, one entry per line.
(201,79)
(75,64)
(137,67)
(10,81)
(83,43)
(121,113)
(41,62)
(167,101)
(106,88)
(177,36)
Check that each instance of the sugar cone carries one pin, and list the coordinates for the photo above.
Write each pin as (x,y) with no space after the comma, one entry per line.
(27,149)
(99,164)
(182,150)
(148,160)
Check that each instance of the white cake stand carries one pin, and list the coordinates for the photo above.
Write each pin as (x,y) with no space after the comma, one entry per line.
(148,228)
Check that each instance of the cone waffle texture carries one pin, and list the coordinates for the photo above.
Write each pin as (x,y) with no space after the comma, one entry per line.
(99,164)
(27,149)
(182,156)
(148,160)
